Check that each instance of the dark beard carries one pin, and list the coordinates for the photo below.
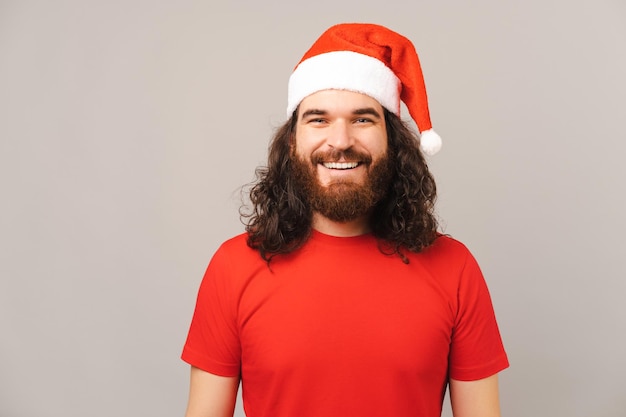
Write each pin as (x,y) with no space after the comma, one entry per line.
(343,200)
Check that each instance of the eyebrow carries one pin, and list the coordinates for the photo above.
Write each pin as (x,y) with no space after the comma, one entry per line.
(313,112)
(319,112)
(368,110)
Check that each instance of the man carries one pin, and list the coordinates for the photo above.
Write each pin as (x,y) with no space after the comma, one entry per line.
(342,299)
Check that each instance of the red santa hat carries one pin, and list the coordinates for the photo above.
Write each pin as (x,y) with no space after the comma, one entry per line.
(368,59)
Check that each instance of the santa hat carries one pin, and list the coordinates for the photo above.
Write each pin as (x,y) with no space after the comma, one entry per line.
(368,59)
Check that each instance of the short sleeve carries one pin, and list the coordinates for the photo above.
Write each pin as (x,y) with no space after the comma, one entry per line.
(213,342)
(476,348)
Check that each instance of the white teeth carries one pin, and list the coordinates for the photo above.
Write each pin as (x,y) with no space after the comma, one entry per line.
(341,165)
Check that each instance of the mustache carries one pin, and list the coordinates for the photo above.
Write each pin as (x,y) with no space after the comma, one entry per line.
(335,155)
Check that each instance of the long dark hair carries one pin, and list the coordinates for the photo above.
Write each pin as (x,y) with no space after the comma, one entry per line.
(279,219)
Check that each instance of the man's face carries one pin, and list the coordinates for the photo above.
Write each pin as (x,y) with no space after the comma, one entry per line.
(340,153)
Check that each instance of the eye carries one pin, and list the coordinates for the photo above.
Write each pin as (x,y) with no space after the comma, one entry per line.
(361,120)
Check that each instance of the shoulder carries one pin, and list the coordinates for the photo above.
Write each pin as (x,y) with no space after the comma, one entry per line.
(234,255)
(231,264)
(236,243)
(448,249)
(236,246)
(447,258)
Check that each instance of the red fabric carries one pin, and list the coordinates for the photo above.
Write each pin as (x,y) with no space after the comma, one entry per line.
(392,49)
(339,329)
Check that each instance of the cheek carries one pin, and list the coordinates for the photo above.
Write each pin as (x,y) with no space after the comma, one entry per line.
(382,149)
(378,146)
(304,144)
(298,152)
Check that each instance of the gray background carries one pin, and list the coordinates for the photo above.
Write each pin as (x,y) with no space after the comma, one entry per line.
(127,128)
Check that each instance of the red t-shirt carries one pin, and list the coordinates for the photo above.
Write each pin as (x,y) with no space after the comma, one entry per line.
(337,328)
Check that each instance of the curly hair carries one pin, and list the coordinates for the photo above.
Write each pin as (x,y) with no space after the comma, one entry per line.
(279,221)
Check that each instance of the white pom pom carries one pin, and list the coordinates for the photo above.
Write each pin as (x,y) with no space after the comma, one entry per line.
(430,142)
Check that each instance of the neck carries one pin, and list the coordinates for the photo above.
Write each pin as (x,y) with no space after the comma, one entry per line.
(351,228)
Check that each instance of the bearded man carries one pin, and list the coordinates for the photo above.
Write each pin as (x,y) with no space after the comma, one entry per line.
(342,298)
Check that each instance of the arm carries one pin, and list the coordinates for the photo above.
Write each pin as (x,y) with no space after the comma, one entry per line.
(211,395)
(475,398)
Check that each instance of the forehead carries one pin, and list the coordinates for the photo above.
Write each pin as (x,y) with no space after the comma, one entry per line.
(338,101)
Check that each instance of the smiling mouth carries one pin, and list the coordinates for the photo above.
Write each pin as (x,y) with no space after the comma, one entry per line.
(340,165)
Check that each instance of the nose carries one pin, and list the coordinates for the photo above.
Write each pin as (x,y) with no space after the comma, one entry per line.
(340,135)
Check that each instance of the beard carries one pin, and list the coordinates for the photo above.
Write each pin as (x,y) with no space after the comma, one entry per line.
(342,200)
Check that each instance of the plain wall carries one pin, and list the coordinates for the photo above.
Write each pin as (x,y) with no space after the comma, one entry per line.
(127,128)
